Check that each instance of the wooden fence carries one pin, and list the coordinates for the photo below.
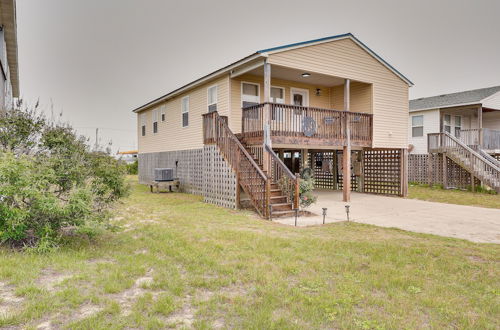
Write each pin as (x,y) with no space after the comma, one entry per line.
(428,169)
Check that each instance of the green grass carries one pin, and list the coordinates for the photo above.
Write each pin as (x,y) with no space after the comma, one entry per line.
(203,266)
(437,194)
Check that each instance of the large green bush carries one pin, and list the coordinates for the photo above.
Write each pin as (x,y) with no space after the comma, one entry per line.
(51,181)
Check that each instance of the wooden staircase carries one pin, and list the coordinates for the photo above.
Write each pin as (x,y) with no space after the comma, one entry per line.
(480,166)
(273,194)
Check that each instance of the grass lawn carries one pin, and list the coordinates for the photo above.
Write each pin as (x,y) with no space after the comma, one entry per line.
(178,262)
(453,196)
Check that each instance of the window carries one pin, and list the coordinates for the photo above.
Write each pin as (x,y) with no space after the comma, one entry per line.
(185,111)
(417,126)
(154,118)
(142,118)
(163,114)
(212,98)
(458,125)
(447,123)
(277,96)
(249,94)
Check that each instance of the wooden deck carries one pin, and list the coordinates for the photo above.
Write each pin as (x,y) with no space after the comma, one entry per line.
(305,126)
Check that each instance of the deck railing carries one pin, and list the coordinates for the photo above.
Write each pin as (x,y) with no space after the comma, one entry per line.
(472,137)
(286,180)
(308,122)
(251,178)
(480,166)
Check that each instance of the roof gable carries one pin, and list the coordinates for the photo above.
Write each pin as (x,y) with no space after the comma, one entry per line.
(332,39)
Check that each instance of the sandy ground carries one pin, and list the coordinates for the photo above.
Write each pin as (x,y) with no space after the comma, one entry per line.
(476,224)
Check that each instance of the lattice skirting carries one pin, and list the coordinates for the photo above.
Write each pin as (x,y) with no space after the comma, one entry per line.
(219,180)
(200,171)
(428,169)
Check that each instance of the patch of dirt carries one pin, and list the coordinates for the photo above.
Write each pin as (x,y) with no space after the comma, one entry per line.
(476,259)
(183,317)
(9,302)
(127,298)
(101,261)
(50,278)
(142,251)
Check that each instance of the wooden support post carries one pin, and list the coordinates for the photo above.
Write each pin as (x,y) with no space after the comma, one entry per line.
(267,116)
(404,172)
(362,176)
(346,156)
(303,158)
(445,172)
(281,155)
(335,170)
(480,125)
(472,183)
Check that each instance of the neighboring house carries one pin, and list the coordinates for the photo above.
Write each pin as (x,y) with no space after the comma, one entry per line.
(9,77)
(242,132)
(129,156)
(455,139)
(470,116)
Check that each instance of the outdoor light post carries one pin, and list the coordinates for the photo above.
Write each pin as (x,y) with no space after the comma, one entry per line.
(347,212)
(324,214)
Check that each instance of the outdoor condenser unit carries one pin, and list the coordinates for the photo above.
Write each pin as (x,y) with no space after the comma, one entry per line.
(164,174)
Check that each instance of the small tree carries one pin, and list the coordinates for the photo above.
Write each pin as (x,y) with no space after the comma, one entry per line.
(50,179)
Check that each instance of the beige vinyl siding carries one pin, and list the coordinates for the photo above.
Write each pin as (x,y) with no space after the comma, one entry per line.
(322,101)
(360,96)
(345,59)
(171,135)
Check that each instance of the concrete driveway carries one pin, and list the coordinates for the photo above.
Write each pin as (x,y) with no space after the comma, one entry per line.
(476,224)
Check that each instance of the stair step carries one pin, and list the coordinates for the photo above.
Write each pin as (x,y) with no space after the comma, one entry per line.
(281,207)
(276,192)
(278,199)
(278,214)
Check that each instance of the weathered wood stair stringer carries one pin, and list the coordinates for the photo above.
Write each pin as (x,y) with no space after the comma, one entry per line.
(264,189)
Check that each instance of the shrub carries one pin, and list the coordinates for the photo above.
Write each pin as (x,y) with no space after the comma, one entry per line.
(305,188)
(133,168)
(50,180)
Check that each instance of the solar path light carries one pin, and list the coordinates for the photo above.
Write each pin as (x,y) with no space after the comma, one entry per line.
(324,214)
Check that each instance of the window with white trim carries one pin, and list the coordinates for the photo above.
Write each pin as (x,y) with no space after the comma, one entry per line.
(212,98)
(185,111)
(447,123)
(417,126)
(154,120)
(458,125)
(142,118)
(163,113)
(249,94)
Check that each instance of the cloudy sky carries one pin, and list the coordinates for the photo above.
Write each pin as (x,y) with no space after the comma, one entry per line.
(96,60)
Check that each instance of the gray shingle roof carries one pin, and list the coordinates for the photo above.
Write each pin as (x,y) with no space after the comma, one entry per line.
(448,100)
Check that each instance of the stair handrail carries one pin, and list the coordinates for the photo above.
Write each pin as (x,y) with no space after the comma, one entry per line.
(236,162)
(470,150)
(274,159)
(488,157)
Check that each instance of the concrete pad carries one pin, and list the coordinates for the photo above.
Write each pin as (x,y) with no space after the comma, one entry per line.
(476,224)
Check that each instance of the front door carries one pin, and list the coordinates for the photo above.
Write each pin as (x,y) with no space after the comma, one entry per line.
(299,97)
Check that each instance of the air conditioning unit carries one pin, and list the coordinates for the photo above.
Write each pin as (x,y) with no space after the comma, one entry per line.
(164,174)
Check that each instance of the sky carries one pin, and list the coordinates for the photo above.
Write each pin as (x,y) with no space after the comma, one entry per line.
(96,60)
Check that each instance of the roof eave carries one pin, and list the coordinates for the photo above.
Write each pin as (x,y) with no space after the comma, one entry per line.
(447,106)
(202,80)
(8,9)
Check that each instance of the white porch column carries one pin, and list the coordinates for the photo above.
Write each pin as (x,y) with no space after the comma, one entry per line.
(346,157)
